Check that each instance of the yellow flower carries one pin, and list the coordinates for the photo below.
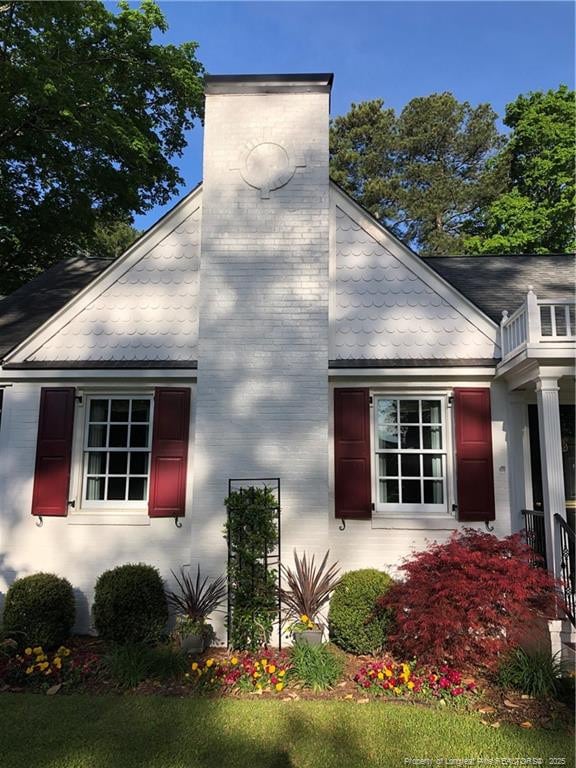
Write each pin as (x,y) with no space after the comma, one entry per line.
(209,662)
(380,676)
(388,672)
(279,686)
(271,669)
(29,670)
(58,662)
(410,685)
(28,651)
(258,686)
(256,664)
(282,673)
(263,662)
(397,691)
(44,665)
(304,619)
(234,660)
(38,649)
(194,666)
(256,675)
(41,657)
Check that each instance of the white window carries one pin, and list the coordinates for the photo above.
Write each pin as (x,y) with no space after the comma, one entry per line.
(410,443)
(116,457)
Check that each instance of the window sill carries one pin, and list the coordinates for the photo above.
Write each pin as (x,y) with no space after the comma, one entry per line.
(108,518)
(415,523)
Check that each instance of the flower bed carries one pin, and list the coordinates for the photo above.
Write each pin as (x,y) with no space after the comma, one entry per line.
(37,668)
(244,672)
(402,679)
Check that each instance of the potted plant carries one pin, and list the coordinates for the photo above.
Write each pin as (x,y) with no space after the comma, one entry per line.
(194,602)
(308,590)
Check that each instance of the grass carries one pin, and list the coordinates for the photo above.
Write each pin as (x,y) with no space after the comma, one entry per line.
(140,732)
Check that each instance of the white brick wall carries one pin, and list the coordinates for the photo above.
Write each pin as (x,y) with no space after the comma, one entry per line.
(263,336)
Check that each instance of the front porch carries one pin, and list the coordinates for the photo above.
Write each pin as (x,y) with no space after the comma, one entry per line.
(538,353)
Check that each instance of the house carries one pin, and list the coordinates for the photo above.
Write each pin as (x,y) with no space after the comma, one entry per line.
(269,327)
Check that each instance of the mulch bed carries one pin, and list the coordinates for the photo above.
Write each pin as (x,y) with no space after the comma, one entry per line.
(492,705)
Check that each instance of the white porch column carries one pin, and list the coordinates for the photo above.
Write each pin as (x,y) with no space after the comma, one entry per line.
(551,459)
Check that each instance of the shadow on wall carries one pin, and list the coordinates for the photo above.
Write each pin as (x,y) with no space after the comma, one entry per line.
(268,383)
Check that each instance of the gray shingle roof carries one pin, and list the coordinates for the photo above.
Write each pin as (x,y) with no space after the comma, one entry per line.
(495,283)
(25,310)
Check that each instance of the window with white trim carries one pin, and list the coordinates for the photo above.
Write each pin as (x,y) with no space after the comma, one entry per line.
(410,442)
(117,445)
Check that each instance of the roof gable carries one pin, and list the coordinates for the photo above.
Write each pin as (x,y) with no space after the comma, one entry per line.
(389,304)
(142,309)
(31,305)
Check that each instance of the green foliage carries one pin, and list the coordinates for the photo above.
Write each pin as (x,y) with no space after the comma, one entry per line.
(352,622)
(130,604)
(92,112)
(309,587)
(423,173)
(316,666)
(536,673)
(39,609)
(197,599)
(112,238)
(252,533)
(536,212)
(133,663)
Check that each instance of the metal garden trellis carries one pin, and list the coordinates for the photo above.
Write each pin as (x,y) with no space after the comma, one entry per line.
(271,560)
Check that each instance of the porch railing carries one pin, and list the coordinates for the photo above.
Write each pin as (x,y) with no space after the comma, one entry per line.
(535,535)
(537,321)
(567,543)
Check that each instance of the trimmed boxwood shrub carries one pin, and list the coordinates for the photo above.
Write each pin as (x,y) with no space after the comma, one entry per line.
(130,604)
(39,609)
(352,622)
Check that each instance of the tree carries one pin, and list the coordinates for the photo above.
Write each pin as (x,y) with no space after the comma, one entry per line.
(536,212)
(91,114)
(425,173)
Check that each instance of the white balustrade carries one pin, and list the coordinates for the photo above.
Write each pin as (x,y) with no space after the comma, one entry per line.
(537,321)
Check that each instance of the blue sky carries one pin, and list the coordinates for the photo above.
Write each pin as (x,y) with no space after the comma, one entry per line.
(481,51)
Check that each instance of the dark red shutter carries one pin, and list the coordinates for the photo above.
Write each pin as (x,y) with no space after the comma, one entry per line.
(474,468)
(53,452)
(353,499)
(169,452)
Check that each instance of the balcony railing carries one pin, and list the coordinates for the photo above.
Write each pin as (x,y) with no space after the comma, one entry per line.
(537,321)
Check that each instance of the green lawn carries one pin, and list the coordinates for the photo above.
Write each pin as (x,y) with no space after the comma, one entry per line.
(153,732)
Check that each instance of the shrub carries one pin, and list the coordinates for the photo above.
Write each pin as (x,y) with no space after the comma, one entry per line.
(536,673)
(316,666)
(39,609)
(132,663)
(461,599)
(352,621)
(130,604)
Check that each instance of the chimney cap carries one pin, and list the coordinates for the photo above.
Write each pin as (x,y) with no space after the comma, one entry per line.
(289,83)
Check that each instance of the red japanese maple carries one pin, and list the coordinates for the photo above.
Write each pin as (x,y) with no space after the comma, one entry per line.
(461,601)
